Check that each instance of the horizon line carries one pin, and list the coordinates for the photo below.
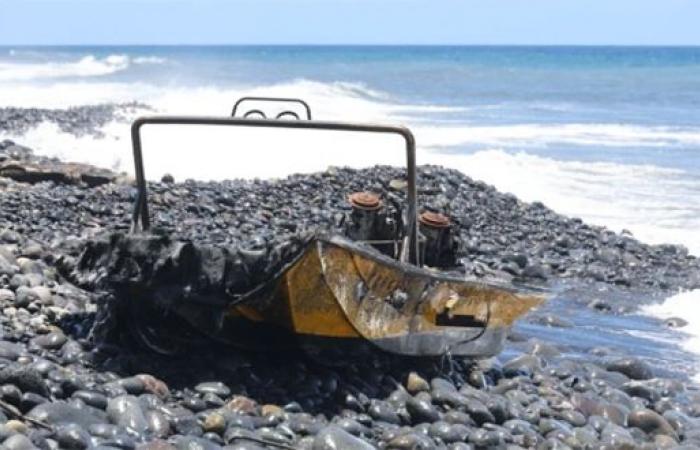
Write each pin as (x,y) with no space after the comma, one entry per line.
(343,45)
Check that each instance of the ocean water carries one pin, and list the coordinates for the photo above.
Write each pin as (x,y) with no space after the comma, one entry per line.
(608,134)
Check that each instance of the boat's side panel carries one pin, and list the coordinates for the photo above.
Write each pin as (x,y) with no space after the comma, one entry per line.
(414,313)
(314,310)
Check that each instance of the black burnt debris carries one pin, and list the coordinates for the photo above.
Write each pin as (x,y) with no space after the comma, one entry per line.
(61,389)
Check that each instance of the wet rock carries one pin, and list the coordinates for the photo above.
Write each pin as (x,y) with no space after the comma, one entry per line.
(633,368)
(416,383)
(241,404)
(25,378)
(126,411)
(651,422)
(61,413)
(384,412)
(422,410)
(214,387)
(675,322)
(51,341)
(522,365)
(215,423)
(334,438)
(18,442)
(153,385)
(72,436)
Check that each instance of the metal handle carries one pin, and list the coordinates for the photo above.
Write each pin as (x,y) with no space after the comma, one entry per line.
(140,214)
(273,100)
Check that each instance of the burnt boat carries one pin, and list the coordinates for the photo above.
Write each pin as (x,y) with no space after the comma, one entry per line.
(383,281)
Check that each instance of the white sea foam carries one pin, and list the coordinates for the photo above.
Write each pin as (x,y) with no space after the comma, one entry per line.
(87,66)
(658,205)
(541,135)
(685,305)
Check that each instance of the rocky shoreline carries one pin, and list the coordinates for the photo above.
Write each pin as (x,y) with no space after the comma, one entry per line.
(60,389)
(77,120)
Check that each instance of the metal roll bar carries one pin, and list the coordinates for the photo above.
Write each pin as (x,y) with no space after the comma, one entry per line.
(140,214)
(272,100)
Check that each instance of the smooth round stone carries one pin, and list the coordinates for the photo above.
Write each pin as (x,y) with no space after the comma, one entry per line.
(616,436)
(547,426)
(59,413)
(479,412)
(72,436)
(484,438)
(448,433)
(352,426)
(681,422)
(477,379)
(662,441)
(30,400)
(421,410)
(194,442)
(186,425)
(383,411)
(44,295)
(213,387)
(633,368)
(105,430)
(214,423)
(651,422)
(11,394)
(522,365)
(459,417)
(410,441)
(194,404)
(154,386)
(335,438)
(641,390)
(158,424)
(132,385)
(92,398)
(575,418)
(253,446)
(518,426)
(302,424)
(24,296)
(18,442)
(126,411)
(460,446)
(156,444)
(7,296)
(415,383)
(51,341)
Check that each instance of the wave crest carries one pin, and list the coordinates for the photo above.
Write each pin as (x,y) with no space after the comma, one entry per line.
(87,66)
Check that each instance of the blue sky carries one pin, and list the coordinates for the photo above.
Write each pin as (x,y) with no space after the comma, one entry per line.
(557,22)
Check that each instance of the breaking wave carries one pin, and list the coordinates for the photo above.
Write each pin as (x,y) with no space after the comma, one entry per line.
(87,66)
(685,305)
(657,204)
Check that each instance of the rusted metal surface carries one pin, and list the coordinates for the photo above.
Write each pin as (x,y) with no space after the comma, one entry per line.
(339,290)
(434,219)
(365,200)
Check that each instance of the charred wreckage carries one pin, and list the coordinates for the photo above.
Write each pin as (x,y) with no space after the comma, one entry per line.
(384,277)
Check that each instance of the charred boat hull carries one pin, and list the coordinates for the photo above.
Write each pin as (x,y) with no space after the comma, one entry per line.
(331,290)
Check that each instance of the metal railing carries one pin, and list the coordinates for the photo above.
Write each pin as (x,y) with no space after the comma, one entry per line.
(141,218)
(281,115)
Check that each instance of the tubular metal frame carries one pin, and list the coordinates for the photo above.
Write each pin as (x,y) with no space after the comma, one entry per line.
(299,101)
(141,213)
